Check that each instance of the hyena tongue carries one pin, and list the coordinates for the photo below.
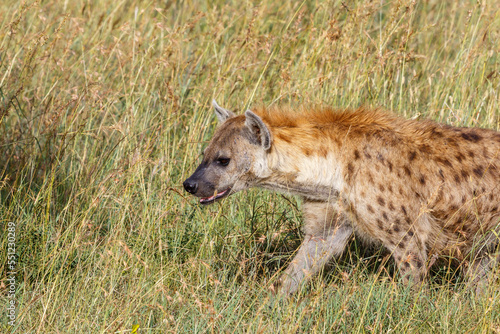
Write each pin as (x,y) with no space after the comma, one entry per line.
(207,200)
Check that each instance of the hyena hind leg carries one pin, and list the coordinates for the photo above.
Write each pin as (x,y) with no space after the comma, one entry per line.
(479,272)
(327,233)
(411,258)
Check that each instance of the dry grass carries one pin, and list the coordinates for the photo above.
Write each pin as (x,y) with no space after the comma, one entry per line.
(104,107)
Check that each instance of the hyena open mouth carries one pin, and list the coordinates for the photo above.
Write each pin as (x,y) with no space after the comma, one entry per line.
(216,197)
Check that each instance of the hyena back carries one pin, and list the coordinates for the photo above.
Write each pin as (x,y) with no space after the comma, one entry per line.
(419,188)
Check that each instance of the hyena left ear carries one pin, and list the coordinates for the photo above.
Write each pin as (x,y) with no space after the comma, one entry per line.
(258,129)
(221,113)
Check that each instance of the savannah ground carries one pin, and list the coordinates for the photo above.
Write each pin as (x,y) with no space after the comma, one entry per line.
(105,109)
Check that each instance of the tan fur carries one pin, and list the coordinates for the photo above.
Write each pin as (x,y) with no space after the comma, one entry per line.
(420,189)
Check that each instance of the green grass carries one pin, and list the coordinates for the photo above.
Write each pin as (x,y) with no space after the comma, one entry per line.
(105,107)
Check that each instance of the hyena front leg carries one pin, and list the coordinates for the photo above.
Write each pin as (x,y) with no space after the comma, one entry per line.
(327,232)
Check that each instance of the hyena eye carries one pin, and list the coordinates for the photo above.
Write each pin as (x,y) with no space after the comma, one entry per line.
(223,161)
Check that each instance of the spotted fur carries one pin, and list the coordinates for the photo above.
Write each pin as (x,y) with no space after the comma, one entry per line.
(419,188)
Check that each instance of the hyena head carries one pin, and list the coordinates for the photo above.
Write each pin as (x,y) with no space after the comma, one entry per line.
(235,158)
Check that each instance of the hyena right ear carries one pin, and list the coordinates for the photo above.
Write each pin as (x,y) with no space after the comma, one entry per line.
(221,113)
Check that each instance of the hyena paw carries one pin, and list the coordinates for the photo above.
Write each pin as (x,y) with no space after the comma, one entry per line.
(285,286)
(479,287)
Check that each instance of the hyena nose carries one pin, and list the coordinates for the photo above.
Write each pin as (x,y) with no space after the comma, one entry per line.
(190,186)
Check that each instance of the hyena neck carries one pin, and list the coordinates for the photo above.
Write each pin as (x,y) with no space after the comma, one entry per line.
(311,171)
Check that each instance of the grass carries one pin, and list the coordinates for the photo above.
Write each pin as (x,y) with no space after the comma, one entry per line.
(105,107)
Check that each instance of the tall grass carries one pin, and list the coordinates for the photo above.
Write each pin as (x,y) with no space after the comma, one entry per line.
(105,107)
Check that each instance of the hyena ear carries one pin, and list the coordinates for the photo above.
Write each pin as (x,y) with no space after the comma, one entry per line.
(258,129)
(221,113)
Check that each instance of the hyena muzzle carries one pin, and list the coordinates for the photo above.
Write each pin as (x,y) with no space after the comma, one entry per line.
(421,189)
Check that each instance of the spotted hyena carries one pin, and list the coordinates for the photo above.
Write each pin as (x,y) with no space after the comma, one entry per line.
(419,188)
